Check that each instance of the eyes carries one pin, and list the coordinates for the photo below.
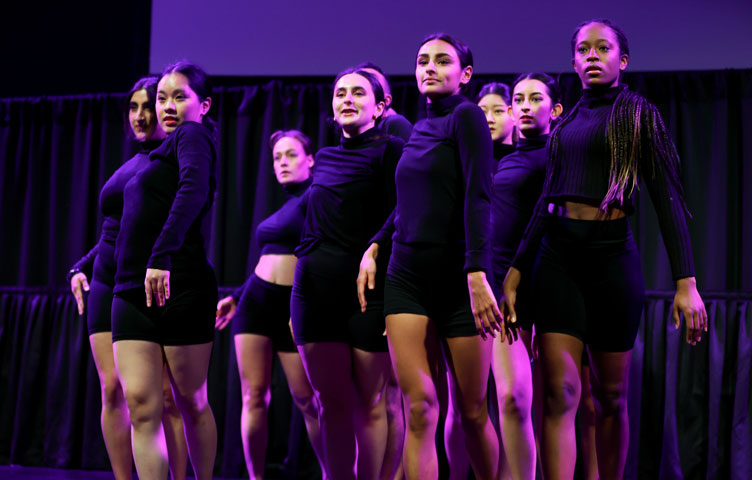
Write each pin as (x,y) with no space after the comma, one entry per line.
(423,61)
(342,93)
(519,100)
(179,97)
(582,50)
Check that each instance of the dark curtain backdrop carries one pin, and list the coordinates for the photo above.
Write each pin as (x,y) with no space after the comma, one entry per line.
(690,408)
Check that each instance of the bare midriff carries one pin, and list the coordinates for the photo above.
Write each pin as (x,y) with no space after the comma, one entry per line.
(277,269)
(586,211)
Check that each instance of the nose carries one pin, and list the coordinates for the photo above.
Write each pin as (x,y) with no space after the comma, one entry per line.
(525,105)
(592,54)
(170,106)
(490,117)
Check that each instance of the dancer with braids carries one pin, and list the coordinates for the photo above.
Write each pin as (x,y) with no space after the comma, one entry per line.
(165,289)
(391,122)
(100,262)
(260,309)
(436,289)
(586,278)
(343,349)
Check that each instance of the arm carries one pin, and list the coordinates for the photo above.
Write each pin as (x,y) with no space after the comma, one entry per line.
(195,152)
(476,157)
(77,276)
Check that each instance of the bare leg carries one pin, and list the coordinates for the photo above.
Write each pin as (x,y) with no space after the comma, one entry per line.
(415,352)
(609,383)
(469,361)
(139,365)
(560,356)
(177,452)
(514,388)
(371,371)
(188,366)
(586,412)
(116,426)
(395,439)
(454,440)
(329,368)
(254,355)
(305,400)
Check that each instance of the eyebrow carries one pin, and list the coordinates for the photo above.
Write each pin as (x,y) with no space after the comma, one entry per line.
(177,90)
(441,54)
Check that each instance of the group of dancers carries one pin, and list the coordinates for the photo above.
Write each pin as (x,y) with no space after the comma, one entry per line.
(407,264)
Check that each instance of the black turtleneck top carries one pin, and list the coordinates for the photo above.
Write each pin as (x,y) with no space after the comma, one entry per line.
(165,222)
(396,125)
(581,172)
(444,182)
(280,232)
(517,184)
(501,150)
(99,263)
(352,192)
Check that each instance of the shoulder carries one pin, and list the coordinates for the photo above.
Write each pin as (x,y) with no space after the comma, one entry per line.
(191,130)
(468,115)
(467,109)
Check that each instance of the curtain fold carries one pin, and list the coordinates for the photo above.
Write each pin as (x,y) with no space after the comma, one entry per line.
(690,408)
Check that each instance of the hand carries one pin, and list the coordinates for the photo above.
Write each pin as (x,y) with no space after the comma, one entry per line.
(225,311)
(534,348)
(79,285)
(689,303)
(292,331)
(485,311)
(367,274)
(157,285)
(508,301)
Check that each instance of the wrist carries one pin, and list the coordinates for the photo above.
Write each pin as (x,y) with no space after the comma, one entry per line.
(686,283)
(71,273)
(373,250)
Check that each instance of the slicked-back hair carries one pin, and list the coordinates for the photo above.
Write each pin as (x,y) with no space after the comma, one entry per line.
(554,90)
(463,51)
(378,90)
(301,137)
(149,84)
(199,82)
(495,88)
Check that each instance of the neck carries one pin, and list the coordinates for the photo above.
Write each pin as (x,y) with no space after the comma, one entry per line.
(354,131)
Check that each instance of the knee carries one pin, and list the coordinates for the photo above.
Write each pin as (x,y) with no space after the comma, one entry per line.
(169,408)
(335,404)
(192,405)
(307,404)
(473,413)
(112,392)
(610,398)
(144,407)
(423,413)
(516,403)
(256,397)
(561,396)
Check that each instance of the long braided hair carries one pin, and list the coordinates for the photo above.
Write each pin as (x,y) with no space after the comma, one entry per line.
(637,139)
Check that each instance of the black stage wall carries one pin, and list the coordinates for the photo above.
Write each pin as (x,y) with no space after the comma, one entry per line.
(690,408)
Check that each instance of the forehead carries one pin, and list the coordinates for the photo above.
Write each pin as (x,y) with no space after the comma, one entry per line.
(530,85)
(492,99)
(140,96)
(174,81)
(436,47)
(352,80)
(287,143)
(593,32)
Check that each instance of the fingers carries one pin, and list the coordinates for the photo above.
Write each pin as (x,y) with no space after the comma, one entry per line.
(361,282)
(479,325)
(147,287)
(166,286)
(677,319)
(79,299)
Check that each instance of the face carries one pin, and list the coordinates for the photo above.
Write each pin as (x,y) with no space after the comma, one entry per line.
(142,118)
(384,85)
(532,108)
(497,115)
(438,70)
(597,59)
(178,103)
(354,104)
(291,163)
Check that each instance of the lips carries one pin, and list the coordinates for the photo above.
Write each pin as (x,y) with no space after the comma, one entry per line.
(170,120)
(593,68)
(526,118)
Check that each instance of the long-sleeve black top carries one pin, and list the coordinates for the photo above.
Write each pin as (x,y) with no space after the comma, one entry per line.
(396,125)
(444,182)
(581,172)
(501,150)
(517,184)
(352,193)
(164,223)
(99,262)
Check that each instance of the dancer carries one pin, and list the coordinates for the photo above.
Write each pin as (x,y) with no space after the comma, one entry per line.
(390,121)
(517,183)
(260,309)
(436,289)
(587,279)
(343,350)
(165,289)
(100,263)
(495,101)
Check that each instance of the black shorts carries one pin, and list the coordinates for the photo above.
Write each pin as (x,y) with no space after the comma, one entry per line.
(99,307)
(325,306)
(186,319)
(430,281)
(264,309)
(588,283)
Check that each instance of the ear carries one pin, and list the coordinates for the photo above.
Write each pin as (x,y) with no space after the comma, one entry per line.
(573,64)
(467,73)
(556,111)
(380,107)
(388,99)
(509,111)
(206,105)
(310,161)
(623,62)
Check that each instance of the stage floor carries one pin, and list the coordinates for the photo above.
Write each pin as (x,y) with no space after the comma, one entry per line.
(15,472)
